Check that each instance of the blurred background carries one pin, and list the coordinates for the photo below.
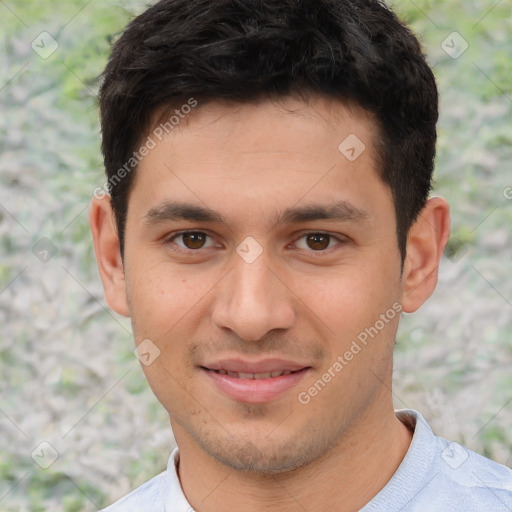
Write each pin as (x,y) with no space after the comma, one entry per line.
(79,426)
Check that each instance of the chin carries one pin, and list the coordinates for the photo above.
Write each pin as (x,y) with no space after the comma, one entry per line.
(265,457)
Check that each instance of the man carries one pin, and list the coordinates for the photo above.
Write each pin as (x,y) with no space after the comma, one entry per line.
(268,219)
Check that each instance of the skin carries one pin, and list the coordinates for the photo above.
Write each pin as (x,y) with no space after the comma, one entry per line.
(298,301)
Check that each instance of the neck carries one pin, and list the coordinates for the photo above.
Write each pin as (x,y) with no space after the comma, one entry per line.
(344,479)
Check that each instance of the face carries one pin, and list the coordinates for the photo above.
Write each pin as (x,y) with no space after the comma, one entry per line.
(256,254)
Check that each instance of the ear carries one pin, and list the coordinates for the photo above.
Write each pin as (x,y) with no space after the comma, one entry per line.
(108,254)
(426,241)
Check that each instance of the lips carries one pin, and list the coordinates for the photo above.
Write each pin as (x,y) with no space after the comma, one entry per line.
(254,382)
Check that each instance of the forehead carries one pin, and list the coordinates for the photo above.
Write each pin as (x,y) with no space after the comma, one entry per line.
(319,113)
(282,152)
(284,125)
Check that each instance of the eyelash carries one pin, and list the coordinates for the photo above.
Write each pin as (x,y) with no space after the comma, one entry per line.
(170,240)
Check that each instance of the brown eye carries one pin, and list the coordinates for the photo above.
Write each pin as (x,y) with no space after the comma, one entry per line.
(318,241)
(194,240)
(191,242)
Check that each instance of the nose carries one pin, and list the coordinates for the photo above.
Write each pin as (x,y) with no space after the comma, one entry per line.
(253,300)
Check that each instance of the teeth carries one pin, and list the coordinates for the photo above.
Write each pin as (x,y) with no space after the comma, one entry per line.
(262,375)
(246,375)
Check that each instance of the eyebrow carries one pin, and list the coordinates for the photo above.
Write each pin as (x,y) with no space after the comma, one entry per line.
(340,211)
(175,210)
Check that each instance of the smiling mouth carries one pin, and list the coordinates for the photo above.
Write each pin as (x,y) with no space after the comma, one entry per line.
(255,376)
(256,387)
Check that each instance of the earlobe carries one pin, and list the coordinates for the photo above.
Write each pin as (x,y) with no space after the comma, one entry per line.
(426,241)
(108,254)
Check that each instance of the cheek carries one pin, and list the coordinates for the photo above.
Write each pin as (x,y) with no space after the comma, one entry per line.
(163,304)
(170,383)
(160,296)
(350,298)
